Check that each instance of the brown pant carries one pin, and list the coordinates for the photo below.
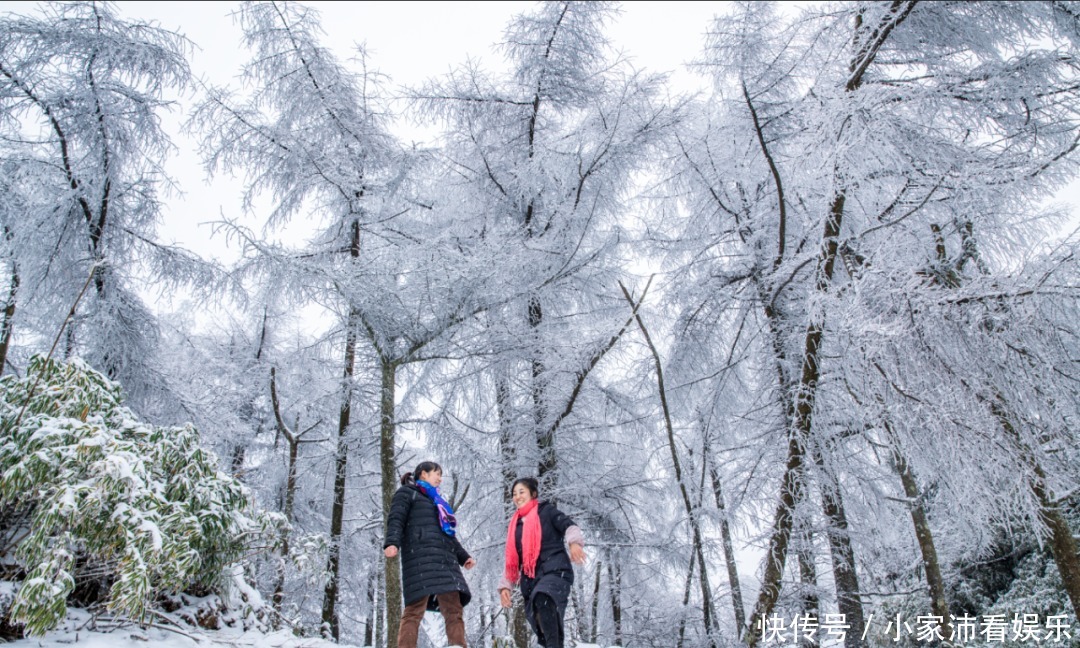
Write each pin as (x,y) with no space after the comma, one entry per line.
(453,618)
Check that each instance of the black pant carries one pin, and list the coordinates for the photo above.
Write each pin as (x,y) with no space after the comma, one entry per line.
(549,623)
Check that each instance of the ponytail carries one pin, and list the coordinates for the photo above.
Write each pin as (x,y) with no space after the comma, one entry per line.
(422,467)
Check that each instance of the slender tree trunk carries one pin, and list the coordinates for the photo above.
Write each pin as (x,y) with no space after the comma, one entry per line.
(580,608)
(939,605)
(520,626)
(805,539)
(9,316)
(69,341)
(845,578)
(792,484)
(686,599)
(594,630)
(507,457)
(615,578)
(545,436)
(691,513)
(239,451)
(337,513)
(290,498)
(1062,542)
(729,550)
(369,622)
(380,612)
(791,488)
(811,605)
(808,580)
(388,464)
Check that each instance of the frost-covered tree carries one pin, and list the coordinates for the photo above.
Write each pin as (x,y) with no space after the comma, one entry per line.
(919,119)
(309,131)
(548,151)
(545,154)
(390,256)
(81,96)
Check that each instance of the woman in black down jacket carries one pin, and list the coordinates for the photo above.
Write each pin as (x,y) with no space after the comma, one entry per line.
(535,554)
(421,528)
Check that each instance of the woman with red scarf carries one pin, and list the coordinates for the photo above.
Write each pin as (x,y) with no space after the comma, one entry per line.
(536,555)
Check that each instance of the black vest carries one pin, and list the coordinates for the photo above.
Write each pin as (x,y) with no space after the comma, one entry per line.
(553,556)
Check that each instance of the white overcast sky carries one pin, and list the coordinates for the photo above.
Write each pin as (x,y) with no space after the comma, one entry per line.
(408,41)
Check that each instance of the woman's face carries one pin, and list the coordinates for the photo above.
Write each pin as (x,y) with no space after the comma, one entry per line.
(521,495)
(433,477)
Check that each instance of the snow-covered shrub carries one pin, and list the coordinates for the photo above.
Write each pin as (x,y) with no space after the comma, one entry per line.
(146,501)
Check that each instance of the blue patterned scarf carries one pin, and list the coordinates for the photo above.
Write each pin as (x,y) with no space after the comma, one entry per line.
(446,514)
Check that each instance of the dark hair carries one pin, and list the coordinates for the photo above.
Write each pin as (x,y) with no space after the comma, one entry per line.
(423,466)
(527,482)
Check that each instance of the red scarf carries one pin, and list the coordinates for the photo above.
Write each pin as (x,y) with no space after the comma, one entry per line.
(530,541)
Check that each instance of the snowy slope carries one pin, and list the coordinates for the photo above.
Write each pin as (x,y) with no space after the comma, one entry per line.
(77,630)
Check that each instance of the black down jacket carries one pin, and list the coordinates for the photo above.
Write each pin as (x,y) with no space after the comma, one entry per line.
(554,572)
(430,560)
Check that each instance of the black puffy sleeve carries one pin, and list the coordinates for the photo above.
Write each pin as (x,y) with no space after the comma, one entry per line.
(561,521)
(459,551)
(399,513)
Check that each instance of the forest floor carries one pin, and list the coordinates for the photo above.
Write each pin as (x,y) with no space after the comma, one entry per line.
(76,631)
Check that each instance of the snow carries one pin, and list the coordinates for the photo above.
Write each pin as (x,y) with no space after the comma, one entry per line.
(76,630)
(154,531)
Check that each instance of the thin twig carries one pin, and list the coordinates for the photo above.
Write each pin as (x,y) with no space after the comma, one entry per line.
(71,314)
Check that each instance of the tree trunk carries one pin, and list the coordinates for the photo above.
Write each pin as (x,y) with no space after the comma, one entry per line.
(615,587)
(845,578)
(69,342)
(691,513)
(1062,542)
(729,551)
(507,457)
(595,629)
(380,612)
(580,618)
(369,622)
(686,599)
(545,436)
(791,488)
(9,316)
(807,570)
(388,464)
(939,606)
(507,449)
(792,485)
(520,626)
(290,498)
(337,514)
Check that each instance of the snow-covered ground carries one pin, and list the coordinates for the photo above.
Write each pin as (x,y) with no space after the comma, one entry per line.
(135,637)
(77,631)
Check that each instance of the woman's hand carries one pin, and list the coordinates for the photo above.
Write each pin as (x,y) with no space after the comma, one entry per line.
(577,554)
(470,563)
(504,598)
(390,551)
